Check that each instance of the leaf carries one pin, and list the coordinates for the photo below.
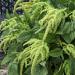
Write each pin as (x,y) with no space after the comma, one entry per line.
(69,32)
(13,69)
(68,28)
(8,58)
(39,70)
(24,36)
(72,66)
(56,52)
(67,67)
(69,4)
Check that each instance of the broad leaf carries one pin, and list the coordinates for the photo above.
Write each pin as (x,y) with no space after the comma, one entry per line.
(13,69)
(56,52)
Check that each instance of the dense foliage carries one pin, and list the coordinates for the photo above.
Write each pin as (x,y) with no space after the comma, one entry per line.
(42,40)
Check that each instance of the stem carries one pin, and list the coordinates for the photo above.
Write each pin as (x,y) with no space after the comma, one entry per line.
(16,5)
(46,32)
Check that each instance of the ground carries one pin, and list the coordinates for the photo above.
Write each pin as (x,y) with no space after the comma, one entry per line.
(3,72)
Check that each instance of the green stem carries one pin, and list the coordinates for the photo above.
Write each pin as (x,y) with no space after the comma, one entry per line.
(46,32)
(16,5)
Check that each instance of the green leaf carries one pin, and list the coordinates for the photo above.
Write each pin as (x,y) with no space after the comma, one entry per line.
(67,67)
(56,52)
(72,66)
(68,28)
(69,32)
(39,70)
(24,36)
(69,4)
(8,58)
(13,69)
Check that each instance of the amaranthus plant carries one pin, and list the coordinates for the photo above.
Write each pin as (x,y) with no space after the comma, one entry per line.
(41,41)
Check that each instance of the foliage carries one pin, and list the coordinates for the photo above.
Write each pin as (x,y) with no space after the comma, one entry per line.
(42,40)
